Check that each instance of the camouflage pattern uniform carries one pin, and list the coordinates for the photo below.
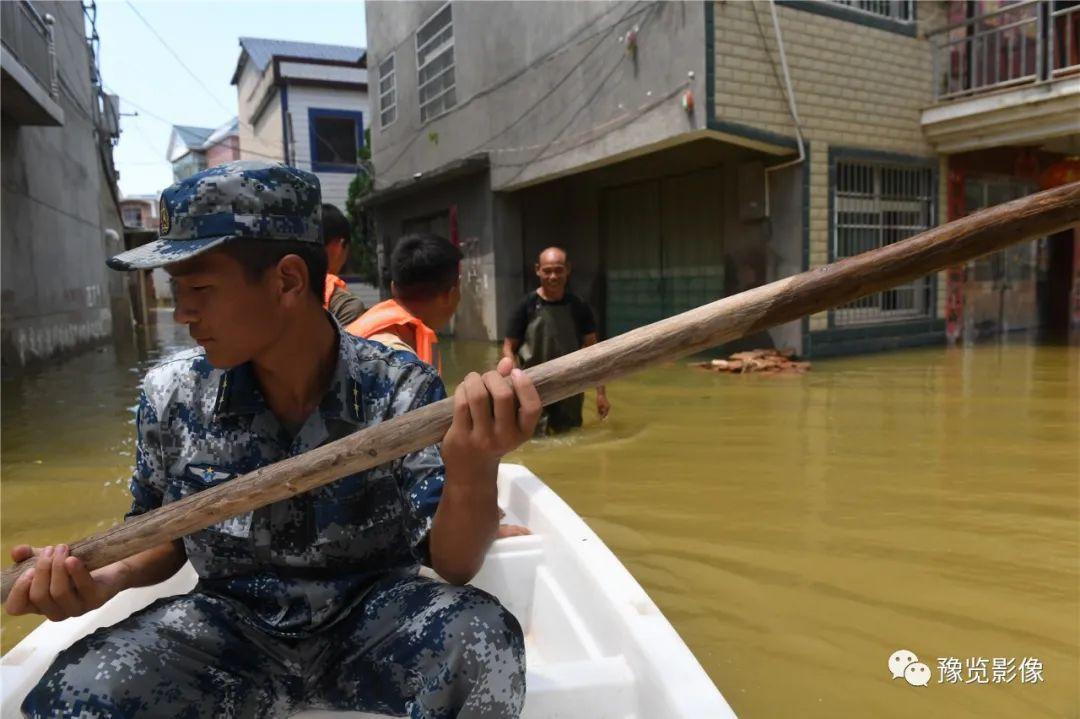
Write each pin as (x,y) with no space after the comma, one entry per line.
(313,601)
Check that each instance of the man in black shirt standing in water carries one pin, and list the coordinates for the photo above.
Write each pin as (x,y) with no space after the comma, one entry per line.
(548,323)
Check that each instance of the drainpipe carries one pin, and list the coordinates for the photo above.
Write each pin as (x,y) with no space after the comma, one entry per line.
(791,105)
(285,122)
(54,85)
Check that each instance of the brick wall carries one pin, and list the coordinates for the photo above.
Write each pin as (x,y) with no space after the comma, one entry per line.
(855,87)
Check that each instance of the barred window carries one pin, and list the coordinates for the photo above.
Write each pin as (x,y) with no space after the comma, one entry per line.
(435,64)
(874,205)
(387,92)
(899,10)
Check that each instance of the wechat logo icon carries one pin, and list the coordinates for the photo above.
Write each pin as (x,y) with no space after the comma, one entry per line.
(903,663)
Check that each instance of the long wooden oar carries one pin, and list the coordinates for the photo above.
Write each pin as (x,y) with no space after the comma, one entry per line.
(689,332)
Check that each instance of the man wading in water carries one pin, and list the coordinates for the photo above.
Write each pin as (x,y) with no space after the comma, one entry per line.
(551,322)
(313,601)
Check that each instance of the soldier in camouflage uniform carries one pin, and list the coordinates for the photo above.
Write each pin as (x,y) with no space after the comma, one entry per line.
(313,601)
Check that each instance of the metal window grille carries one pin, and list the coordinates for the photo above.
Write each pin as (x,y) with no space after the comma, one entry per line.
(899,10)
(435,64)
(387,92)
(874,205)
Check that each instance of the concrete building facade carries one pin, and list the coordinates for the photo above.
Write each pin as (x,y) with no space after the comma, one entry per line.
(60,216)
(305,104)
(679,151)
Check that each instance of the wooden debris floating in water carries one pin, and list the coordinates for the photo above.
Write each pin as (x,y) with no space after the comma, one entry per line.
(769,361)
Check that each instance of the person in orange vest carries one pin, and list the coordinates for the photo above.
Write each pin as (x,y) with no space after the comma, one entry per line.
(426,285)
(425,279)
(343,305)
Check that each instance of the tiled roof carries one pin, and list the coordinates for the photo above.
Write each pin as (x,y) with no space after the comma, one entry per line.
(193,137)
(262,51)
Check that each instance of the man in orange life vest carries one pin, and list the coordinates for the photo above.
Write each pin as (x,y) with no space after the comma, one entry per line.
(425,282)
(425,279)
(343,305)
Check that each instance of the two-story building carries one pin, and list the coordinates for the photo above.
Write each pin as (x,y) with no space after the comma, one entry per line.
(139,211)
(679,151)
(1005,120)
(60,217)
(304,104)
(151,288)
(194,149)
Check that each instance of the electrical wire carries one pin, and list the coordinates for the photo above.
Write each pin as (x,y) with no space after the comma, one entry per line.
(594,133)
(558,50)
(602,85)
(631,13)
(159,118)
(177,57)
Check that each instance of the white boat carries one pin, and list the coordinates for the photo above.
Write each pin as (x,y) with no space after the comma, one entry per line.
(596,646)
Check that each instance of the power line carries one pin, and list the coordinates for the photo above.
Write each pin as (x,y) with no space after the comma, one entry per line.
(592,134)
(149,143)
(177,57)
(170,123)
(632,12)
(141,109)
(189,71)
(602,85)
(575,38)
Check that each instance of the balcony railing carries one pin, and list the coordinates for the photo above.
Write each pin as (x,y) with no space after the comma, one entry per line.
(1018,44)
(1064,39)
(29,37)
(899,10)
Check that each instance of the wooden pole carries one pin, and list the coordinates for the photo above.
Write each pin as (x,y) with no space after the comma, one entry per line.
(706,326)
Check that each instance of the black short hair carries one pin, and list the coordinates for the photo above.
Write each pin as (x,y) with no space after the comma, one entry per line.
(257,256)
(424,265)
(334,224)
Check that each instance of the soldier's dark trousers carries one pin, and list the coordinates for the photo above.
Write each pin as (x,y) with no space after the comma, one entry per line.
(412,647)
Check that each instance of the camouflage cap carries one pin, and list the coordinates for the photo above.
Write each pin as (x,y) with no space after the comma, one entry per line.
(250,198)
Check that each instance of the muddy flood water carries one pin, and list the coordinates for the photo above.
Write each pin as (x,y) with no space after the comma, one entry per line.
(796,530)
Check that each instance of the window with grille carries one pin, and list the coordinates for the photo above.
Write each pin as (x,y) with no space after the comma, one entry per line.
(874,205)
(387,92)
(435,64)
(899,10)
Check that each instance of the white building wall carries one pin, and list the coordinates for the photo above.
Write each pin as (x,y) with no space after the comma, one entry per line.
(260,140)
(335,185)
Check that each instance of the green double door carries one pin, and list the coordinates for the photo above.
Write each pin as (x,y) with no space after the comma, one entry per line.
(663,248)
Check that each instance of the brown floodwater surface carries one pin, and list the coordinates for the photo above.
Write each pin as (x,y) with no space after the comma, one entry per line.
(796,530)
